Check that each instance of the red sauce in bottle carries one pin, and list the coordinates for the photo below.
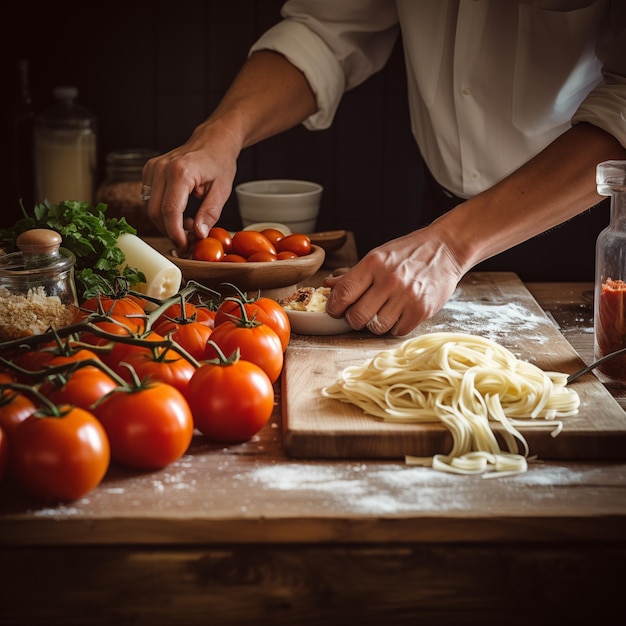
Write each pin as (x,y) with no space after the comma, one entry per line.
(611,333)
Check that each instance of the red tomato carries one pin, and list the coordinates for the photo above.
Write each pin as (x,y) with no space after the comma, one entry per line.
(191,336)
(192,312)
(123,305)
(82,388)
(121,351)
(161,364)
(262,257)
(286,254)
(233,258)
(223,236)
(257,343)
(60,458)
(246,242)
(15,407)
(261,309)
(116,325)
(148,428)
(208,249)
(273,234)
(238,405)
(298,243)
(73,356)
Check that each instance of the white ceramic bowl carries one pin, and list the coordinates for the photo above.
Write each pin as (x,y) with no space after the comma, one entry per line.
(316,323)
(295,203)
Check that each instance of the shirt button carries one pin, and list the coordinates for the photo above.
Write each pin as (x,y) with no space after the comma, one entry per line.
(466,91)
(475,175)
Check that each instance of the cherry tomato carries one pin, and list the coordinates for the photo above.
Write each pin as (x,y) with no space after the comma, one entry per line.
(286,254)
(238,405)
(273,234)
(208,249)
(261,309)
(257,343)
(15,407)
(223,236)
(60,458)
(296,242)
(246,242)
(191,336)
(262,257)
(82,387)
(233,258)
(161,364)
(149,427)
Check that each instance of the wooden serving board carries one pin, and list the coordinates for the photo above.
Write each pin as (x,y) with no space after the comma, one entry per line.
(490,304)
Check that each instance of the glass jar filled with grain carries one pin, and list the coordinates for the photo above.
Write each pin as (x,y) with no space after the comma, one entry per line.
(121,189)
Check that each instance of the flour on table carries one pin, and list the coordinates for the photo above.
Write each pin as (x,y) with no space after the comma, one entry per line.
(493,321)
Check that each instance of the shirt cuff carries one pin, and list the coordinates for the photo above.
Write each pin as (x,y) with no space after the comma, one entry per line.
(605,107)
(307,51)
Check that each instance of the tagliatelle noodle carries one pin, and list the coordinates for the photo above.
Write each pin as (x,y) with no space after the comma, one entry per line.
(466,382)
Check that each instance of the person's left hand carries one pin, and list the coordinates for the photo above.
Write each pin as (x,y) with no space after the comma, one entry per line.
(397,285)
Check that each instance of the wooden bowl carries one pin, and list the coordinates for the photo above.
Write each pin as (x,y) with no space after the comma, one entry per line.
(330,240)
(250,276)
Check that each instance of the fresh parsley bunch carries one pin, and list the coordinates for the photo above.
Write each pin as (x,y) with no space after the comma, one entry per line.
(89,235)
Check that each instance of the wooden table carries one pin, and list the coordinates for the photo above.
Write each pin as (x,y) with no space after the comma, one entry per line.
(244,535)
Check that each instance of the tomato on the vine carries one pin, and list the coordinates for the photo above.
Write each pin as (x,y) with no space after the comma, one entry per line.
(60,458)
(148,427)
(83,387)
(160,364)
(259,308)
(230,401)
(256,342)
(122,350)
(190,336)
(208,249)
(298,243)
(15,407)
(246,242)
(123,306)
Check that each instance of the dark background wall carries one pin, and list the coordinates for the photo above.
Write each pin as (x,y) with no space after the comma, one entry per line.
(151,71)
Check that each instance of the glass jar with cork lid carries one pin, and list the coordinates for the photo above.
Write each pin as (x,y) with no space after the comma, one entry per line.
(121,188)
(36,286)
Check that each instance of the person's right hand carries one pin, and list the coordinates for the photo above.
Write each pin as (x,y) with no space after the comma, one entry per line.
(204,166)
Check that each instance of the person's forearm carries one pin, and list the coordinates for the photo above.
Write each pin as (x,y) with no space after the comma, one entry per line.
(553,187)
(268,96)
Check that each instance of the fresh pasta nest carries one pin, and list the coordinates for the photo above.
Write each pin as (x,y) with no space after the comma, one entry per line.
(467,382)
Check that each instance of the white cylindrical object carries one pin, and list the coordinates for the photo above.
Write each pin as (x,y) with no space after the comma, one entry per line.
(163,278)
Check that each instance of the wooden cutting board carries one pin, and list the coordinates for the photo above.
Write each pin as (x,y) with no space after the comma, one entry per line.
(490,304)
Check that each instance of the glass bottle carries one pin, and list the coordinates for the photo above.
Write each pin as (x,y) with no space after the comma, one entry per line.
(610,278)
(65,150)
(121,188)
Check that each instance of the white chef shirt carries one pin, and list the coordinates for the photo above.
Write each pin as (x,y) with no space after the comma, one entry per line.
(490,82)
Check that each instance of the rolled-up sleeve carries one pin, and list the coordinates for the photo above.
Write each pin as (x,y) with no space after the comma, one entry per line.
(336,45)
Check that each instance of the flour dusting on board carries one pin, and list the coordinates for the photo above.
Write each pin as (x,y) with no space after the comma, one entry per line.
(494,321)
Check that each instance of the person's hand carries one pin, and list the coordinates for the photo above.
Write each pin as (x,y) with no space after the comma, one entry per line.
(396,286)
(205,167)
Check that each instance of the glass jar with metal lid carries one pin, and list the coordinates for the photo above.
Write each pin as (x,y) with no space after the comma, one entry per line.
(121,189)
